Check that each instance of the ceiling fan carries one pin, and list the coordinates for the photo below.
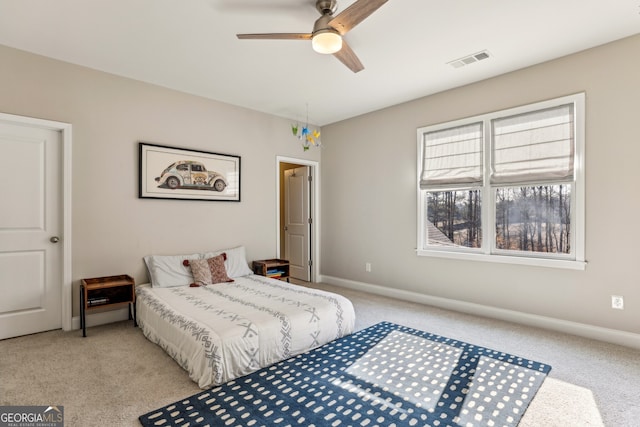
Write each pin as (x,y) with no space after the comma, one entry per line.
(328,30)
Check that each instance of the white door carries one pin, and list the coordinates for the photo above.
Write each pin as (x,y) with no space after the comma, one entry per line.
(297,222)
(30,224)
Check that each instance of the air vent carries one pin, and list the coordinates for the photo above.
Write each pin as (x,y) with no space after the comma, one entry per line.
(470,59)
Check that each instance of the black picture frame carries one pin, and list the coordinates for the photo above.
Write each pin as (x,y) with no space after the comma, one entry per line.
(185,174)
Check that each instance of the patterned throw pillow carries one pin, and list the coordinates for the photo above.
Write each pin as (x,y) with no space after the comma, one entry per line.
(209,271)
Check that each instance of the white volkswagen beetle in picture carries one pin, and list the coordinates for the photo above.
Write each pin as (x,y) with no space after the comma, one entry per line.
(190,174)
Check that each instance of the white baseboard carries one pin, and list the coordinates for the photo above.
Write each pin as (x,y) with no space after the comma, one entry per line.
(97,319)
(613,336)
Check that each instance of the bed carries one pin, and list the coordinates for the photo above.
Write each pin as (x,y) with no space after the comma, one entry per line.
(218,332)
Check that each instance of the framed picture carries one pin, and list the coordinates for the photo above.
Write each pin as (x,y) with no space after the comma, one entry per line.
(178,173)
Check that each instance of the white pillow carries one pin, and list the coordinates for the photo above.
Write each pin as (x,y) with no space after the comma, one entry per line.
(236,263)
(166,271)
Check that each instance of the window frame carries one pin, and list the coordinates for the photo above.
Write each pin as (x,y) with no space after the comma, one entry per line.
(488,252)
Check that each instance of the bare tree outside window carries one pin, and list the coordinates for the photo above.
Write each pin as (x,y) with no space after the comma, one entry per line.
(534,219)
(456,215)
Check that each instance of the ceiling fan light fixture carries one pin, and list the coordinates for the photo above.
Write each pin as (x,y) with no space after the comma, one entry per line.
(326,41)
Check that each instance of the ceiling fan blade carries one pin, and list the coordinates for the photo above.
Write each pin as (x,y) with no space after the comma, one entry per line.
(276,36)
(348,57)
(355,14)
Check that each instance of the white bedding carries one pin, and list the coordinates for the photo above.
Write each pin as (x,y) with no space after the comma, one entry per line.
(223,331)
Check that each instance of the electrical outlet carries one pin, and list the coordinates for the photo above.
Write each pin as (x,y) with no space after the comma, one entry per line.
(367,267)
(617,302)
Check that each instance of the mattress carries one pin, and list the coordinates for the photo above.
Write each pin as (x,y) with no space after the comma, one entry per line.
(224,331)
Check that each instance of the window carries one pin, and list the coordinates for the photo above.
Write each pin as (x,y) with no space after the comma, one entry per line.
(506,186)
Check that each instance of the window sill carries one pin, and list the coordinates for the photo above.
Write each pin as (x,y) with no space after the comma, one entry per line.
(504,259)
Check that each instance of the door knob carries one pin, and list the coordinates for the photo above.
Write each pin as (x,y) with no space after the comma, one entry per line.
(54,239)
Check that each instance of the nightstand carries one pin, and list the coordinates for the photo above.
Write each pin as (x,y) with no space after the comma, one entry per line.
(111,292)
(274,268)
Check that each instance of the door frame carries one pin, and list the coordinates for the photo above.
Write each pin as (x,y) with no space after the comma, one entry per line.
(314,199)
(65,130)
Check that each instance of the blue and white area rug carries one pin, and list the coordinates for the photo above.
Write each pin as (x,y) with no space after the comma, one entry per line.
(385,375)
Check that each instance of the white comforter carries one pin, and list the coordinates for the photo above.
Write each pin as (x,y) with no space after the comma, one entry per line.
(223,331)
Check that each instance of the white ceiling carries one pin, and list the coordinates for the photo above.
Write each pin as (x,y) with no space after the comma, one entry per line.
(190,45)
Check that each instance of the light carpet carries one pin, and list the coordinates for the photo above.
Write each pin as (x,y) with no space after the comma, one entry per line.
(116,374)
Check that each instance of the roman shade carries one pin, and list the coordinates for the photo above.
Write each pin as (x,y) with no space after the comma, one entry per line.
(533,147)
(452,157)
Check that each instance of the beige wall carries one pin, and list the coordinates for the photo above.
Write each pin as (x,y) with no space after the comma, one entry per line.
(368,181)
(112,228)
(369,195)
